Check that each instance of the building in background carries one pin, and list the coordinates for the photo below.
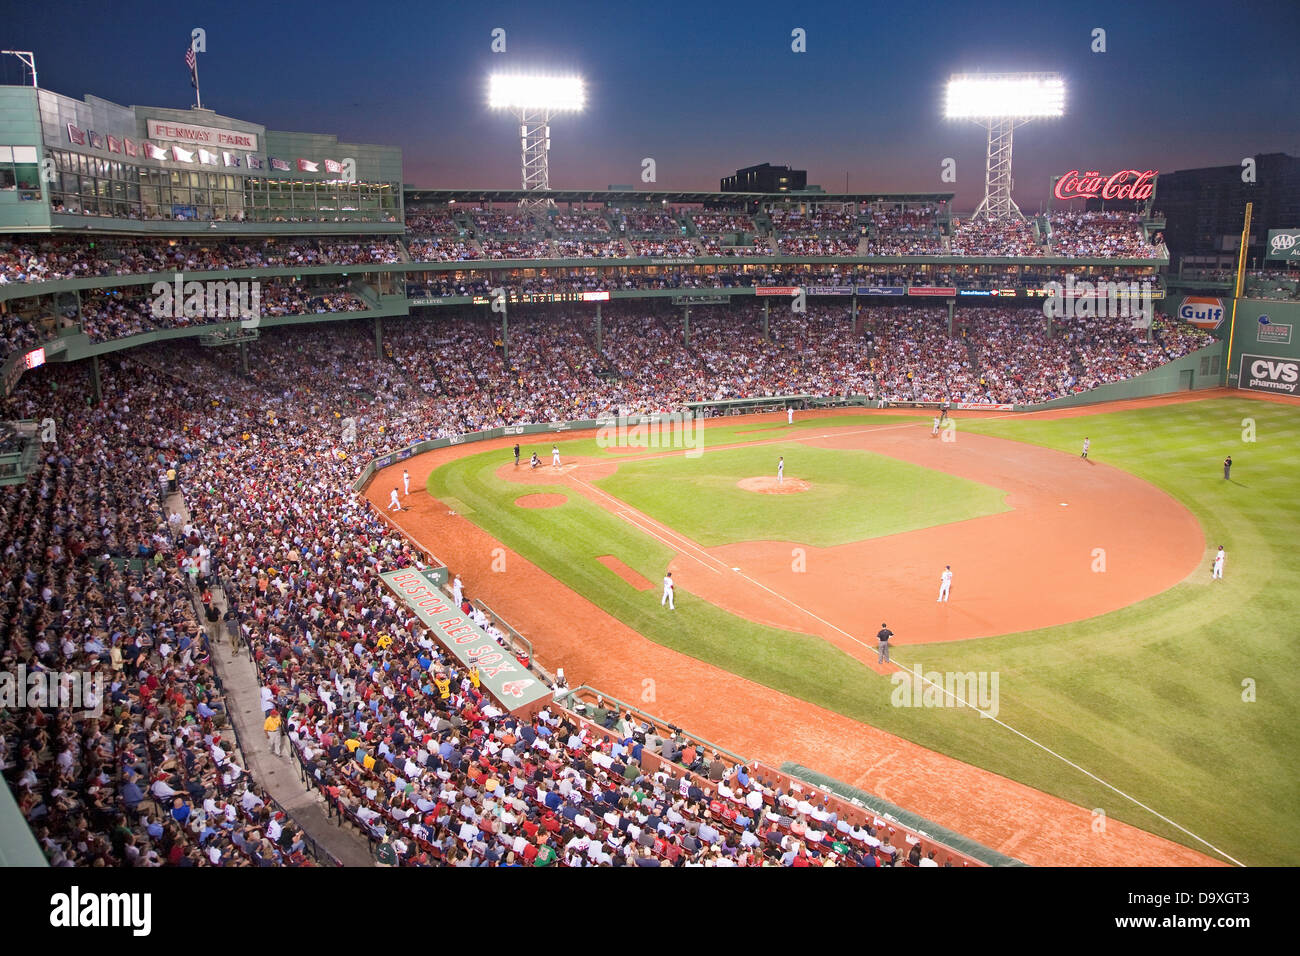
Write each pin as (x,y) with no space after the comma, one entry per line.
(1204,209)
(766,178)
(68,164)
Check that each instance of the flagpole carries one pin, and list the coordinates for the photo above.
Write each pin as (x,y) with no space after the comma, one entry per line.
(198,94)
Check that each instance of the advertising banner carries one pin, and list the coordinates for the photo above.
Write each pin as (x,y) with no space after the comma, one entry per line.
(1269,373)
(1276,333)
(1204,312)
(512,685)
(1283,244)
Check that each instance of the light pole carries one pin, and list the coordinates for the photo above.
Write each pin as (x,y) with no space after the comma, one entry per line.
(1000,102)
(532,99)
(29,60)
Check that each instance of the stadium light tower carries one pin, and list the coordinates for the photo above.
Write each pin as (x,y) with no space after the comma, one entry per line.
(533,99)
(1000,102)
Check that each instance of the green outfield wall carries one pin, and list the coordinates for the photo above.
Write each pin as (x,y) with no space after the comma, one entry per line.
(1266,347)
(1201,369)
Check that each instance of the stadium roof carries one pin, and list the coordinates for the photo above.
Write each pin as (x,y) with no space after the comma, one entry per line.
(418,194)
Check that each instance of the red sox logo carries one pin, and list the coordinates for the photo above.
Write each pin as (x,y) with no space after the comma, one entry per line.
(515,688)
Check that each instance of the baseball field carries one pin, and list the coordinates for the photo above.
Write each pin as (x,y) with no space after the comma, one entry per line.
(1140,712)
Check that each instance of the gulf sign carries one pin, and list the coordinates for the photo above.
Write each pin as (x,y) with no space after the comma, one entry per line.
(1202,312)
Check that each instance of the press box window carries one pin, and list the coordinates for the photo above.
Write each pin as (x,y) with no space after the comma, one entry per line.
(18,168)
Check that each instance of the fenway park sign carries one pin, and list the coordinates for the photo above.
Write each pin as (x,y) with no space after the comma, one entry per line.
(1125,184)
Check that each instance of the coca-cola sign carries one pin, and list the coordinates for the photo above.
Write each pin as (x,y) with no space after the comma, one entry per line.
(1125,184)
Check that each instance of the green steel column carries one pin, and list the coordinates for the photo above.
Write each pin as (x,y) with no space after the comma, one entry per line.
(686,326)
(379,339)
(951,307)
(598,329)
(243,357)
(505,339)
(94,378)
(767,307)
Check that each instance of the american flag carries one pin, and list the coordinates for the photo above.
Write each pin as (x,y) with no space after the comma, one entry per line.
(193,63)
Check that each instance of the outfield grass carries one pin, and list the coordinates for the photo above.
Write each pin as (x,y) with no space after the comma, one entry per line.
(853,495)
(1149,698)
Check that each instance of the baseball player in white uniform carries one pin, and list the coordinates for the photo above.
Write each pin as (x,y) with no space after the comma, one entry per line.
(394,504)
(457,590)
(780,470)
(935,430)
(1087,443)
(1217,572)
(945,582)
(406,481)
(668,592)
(789,415)
(555,455)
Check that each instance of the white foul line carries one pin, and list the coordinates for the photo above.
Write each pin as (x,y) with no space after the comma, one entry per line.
(627,516)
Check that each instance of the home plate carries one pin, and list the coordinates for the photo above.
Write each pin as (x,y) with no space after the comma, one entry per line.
(1064,504)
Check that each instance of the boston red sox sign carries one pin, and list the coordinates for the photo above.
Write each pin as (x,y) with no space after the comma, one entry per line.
(513,686)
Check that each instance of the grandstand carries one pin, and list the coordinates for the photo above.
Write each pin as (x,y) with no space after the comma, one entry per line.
(198,522)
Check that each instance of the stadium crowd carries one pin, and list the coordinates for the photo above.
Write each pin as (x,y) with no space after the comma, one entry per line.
(1109,234)
(579,224)
(99,583)
(115,314)
(43,260)
(400,738)
(981,237)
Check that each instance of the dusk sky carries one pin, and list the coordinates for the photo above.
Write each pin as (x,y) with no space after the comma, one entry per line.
(704,88)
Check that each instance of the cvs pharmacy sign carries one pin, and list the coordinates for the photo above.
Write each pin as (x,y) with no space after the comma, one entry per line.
(1268,373)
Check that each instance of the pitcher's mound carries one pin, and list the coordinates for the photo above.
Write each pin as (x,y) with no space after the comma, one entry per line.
(768,486)
(541,501)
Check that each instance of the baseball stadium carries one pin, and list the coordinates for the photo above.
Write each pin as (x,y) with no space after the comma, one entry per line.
(351,522)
